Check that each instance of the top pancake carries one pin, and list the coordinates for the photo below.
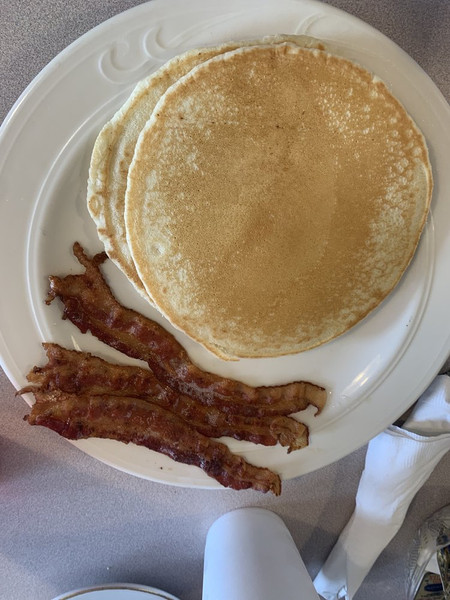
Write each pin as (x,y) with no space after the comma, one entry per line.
(114,147)
(275,197)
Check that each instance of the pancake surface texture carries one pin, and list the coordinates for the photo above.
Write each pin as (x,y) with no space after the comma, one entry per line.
(114,147)
(275,197)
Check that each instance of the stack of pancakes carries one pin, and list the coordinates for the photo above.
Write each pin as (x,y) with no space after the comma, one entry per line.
(263,196)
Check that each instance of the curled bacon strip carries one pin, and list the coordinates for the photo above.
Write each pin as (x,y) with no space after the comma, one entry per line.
(81,373)
(146,424)
(90,305)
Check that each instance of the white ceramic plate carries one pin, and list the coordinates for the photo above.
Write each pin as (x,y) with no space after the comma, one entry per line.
(119,591)
(374,372)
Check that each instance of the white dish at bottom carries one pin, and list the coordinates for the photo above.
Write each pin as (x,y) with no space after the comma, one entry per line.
(118,591)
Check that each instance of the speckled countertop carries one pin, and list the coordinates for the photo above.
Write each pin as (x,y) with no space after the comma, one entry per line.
(70,521)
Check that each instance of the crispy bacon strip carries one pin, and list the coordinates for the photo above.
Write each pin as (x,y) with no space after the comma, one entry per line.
(90,305)
(146,424)
(82,373)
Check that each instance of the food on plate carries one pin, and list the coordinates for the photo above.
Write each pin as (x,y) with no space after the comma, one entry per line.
(83,374)
(175,408)
(275,197)
(90,305)
(135,420)
(114,147)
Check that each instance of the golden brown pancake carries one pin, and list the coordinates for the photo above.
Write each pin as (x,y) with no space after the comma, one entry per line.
(276,196)
(114,147)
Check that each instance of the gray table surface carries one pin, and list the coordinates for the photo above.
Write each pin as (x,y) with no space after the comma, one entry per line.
(69,521)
